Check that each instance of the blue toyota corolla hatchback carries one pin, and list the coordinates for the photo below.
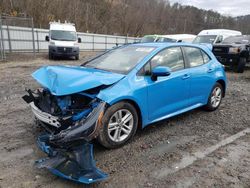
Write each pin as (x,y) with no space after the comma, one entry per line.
(139,83)
(136,84)
(111,95)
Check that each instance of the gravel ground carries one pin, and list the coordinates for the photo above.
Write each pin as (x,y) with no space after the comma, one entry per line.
(195,149)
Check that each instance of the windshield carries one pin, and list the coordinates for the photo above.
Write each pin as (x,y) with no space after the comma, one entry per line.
(148,39)
(205,39)
(237,40)
(120,60)
(163,39)
(63,35)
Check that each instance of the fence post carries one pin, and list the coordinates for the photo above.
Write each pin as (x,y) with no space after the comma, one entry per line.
(2,40)
(93,43)
(8,34)
(33,37)
(105,42)
(37,40)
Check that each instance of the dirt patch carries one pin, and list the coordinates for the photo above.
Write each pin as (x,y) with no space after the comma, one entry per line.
(159,146)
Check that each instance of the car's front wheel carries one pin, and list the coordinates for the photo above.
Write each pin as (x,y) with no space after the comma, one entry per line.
(215,97)
(119,125)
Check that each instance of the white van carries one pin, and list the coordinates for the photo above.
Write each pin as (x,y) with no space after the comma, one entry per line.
(214,36)
(63,41)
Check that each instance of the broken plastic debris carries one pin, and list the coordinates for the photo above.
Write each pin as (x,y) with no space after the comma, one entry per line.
(76,164)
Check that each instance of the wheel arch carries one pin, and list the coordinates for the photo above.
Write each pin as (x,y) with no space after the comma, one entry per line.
(223,83)
(137,107)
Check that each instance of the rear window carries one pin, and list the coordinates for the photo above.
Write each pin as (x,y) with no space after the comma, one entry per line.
(162,39)
(205,39)
(148,39)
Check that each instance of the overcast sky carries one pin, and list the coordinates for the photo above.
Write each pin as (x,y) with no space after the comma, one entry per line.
(225,7)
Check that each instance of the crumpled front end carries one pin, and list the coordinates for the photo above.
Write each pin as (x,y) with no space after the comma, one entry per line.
(70,122)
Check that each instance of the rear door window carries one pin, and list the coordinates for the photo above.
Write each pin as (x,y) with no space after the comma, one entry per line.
(194,56)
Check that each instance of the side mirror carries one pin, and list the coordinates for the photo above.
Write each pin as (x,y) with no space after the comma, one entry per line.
(79,40)
(179,40)
(47,38)
(160,71)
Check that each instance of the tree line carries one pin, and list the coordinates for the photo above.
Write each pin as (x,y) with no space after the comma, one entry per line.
(124,17)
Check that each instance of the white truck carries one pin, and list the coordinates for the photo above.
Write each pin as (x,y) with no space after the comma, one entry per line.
(214,36)
(63,41)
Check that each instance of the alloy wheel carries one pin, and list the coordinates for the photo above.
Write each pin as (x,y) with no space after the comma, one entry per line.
(216,97)
(120,125)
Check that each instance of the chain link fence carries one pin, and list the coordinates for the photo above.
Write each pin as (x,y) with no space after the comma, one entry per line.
(18,36)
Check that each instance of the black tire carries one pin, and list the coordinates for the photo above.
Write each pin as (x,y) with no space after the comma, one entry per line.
(241,65)
(104,135)
(209,106)
(77,57)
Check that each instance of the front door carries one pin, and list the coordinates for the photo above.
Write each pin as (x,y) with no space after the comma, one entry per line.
(168,94)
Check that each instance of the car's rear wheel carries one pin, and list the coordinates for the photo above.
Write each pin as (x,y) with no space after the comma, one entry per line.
(119,125)
(215,97)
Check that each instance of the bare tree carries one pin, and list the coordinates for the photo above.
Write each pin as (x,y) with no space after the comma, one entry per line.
(124,17)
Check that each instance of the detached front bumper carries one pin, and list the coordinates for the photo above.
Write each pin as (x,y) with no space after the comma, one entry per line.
(70,155)
(76,164)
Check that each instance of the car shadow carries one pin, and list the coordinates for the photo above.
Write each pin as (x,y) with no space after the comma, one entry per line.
(152,129)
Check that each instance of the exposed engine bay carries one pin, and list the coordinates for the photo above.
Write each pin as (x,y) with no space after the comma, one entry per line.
(70,122)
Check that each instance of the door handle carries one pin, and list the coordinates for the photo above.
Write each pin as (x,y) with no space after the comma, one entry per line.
(210,70)
(186,76)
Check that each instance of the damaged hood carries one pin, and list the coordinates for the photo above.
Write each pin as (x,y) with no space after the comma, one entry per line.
(65,80)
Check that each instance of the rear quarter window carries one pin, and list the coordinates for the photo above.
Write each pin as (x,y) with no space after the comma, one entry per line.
(206,58)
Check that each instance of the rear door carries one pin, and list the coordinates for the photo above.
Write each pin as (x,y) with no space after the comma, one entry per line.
(201,74)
